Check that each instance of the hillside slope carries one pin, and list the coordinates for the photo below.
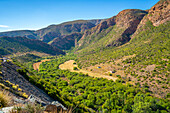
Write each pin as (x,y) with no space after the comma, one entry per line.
(55,31)
(144,60)
(9,45)
(66,42)
(114,31)
(10,73)
(55,34)
(22,33)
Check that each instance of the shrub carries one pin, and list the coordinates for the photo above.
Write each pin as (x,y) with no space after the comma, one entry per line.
(4,100)
(32,108)
(25,95)
(74,63)
(14,87)
(19,89)
(118,76)
(2,85)
(75,68)
(142,71)
(29,108)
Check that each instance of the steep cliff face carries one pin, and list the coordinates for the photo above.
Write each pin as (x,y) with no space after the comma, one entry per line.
(97,29)
(129,19)
(158,14)
(115,30)
(126,23)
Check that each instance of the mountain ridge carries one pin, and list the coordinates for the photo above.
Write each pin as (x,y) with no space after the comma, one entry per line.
(9,45)
(50,32)
(125,22)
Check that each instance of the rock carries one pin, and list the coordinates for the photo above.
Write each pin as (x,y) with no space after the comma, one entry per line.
(126,22)
(7,109)
(160,13)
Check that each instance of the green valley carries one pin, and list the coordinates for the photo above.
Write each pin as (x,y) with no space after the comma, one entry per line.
(115,65)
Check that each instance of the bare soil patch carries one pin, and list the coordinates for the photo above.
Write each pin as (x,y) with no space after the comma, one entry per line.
(36,65)
(69,65)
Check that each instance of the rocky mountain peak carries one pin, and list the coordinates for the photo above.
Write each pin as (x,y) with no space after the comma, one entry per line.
(126,21)
(160,13)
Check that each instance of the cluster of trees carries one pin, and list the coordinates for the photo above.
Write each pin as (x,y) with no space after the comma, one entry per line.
(94,94)
(150,46)
(88,94)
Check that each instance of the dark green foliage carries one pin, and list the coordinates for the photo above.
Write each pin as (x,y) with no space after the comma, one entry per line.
(150,46)
(75,68)
(23,72)
(22,44)
(4,51)
(27,58)
(92,94)
(74,63)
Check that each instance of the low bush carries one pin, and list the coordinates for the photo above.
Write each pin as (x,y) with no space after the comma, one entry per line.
(4,99)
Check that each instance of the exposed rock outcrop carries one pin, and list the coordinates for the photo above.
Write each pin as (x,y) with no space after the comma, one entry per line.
(58,31)
(158,14)
(9,72)
(51,32)
(126,22)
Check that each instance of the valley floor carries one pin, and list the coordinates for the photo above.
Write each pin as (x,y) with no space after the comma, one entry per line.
(69,65)
(36,65)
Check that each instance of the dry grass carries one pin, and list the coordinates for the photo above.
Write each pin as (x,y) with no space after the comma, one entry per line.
(36,65)
(28,108)
(5,100)
(69,65)
(124,58)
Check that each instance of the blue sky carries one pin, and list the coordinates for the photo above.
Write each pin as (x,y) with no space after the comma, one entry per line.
(36,14)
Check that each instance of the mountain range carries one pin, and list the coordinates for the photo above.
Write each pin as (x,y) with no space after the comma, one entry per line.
(114,31)
(133,47)
(54,34)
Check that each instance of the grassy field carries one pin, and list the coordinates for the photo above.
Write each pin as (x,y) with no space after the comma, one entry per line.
(69,65)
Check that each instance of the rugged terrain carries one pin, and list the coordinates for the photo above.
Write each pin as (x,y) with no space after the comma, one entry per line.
(64,33)
(114,31)
(120,64)
(9,45)
(148,43)
(10,73)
